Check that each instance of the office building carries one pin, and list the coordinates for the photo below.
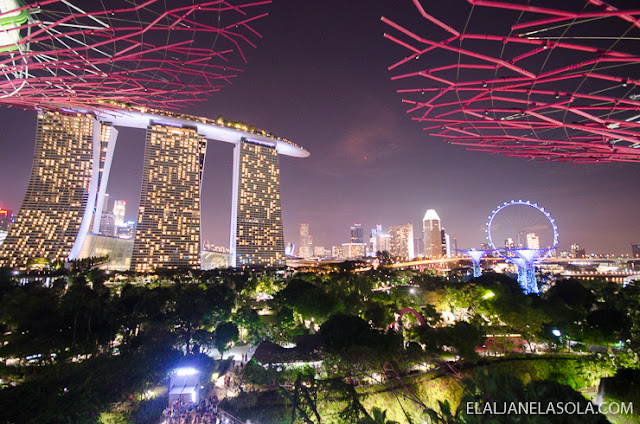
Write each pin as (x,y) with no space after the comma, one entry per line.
(446,245)
(401,241)
(336,252)
(353,250)
(5,219)
(257,224)
(108,225)
(357,234)
(578,252)
(373,240)
(119,210)
(383,242)
(66,182)
(306,242)
(532,241)
(431,234)
(126,231)
(443,243)
(319,252)
(418,247)
(168,231)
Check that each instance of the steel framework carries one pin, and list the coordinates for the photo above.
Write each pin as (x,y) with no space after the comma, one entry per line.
(540,80)
(160,53)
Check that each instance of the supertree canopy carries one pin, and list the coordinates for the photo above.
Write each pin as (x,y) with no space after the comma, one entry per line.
(544,80)
(162,53)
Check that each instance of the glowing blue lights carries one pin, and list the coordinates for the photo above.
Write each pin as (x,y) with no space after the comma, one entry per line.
(524,259)
(476,257)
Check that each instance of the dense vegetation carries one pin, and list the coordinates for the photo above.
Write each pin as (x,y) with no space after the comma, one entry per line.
(89,344)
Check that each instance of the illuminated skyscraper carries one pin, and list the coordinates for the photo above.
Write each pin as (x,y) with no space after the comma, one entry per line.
(579,252)
(431,234)
(306,242)
(532,241)
(357,234)
(5,219)
(66,182)
(168,231)
(401,241)
(383,242)
(108,225)
(256,225)
(119,210)
(66,196)
(353,250)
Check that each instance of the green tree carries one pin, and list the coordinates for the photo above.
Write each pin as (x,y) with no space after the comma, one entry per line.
(225,334)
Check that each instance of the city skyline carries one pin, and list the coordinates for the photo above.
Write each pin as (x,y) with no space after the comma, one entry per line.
(332,94)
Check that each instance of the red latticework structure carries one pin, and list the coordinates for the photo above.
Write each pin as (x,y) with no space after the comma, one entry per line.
(544,80)
(159,53)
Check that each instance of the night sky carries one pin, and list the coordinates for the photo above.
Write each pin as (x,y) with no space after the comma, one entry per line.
(320,79)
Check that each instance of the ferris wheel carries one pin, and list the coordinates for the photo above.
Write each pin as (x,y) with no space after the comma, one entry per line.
(522,225)
(160,53)
(529,235)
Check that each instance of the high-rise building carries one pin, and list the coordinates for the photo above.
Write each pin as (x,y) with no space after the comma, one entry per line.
(306,242)
(401,241)
(353,250)
(418,246)
(336,252)
(577,251)
(168,231)
(65,189)
(383,242)
(108,225)
(532,241)
(635,250)
(119,210)
(127,231)
(319,252)
(5,219)
(454,247)
(373,240)
(256,234)
(431,234)
(443,243)
(357,234)
(446,246)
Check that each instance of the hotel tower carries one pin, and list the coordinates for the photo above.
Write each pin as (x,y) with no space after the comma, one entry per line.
(256,228)
(168,232)
(67,189)
(67,185)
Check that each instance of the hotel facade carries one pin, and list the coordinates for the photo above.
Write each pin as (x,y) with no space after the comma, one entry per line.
(67,188)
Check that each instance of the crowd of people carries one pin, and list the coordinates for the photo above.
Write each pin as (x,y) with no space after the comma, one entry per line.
(203,412)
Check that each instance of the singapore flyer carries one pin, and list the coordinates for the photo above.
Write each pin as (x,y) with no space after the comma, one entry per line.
(523,233)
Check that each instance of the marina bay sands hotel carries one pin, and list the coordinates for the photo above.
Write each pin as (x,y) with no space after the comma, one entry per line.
(62,207)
